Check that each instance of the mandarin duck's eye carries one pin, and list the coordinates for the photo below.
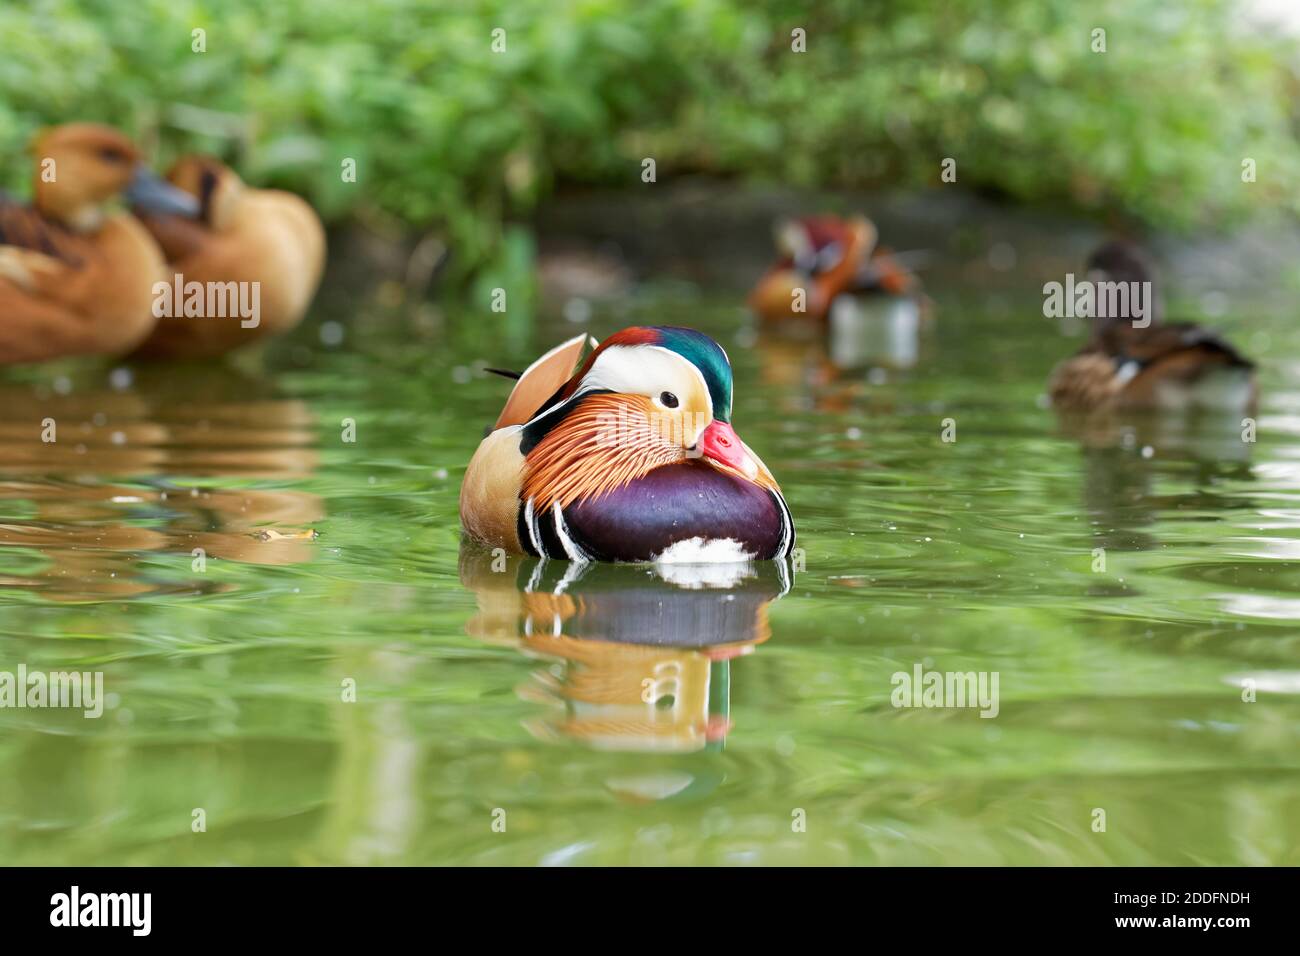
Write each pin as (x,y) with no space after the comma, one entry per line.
(668,399)
(112,155)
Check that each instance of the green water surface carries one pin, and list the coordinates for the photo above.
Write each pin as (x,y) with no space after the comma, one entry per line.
(528,715)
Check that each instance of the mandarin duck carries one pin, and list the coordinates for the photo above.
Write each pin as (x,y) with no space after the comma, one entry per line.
(1138,361)
(630,457)
(239,234)
(832,271)
(75,277)
(819,258)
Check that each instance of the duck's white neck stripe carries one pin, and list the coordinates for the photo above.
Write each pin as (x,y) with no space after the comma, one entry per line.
(787,527)
(530,522)
(571,547)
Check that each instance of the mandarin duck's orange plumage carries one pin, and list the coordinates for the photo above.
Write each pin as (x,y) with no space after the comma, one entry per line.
(632,457)
(76,279)
(242,235)
(1137,361)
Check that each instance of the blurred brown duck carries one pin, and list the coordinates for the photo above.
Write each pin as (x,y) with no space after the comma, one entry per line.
(1134,362)
(240,234)
(76,278)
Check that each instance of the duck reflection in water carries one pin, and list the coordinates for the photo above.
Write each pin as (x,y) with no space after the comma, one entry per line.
(1126,451)
(58,442)
(641,654)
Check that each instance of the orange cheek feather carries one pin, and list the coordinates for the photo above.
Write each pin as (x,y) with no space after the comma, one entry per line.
(603,444)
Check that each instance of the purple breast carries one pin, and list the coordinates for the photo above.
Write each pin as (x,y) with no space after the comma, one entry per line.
(675,503)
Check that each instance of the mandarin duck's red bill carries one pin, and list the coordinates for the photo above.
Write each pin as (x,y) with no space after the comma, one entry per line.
(632,457)
(1136,360)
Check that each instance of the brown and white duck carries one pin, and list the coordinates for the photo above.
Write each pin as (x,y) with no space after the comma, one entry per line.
(1136,360)
(76,276)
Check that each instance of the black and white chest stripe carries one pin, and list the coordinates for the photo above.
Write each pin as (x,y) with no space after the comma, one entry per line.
(547,534)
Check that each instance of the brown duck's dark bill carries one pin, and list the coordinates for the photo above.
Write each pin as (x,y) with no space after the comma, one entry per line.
(151,194)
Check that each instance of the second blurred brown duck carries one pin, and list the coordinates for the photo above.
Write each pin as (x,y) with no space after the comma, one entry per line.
(242,235)
(1142,362)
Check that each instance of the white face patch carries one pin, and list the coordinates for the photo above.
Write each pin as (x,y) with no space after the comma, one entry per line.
(793,240)
(652,370)
(646,370)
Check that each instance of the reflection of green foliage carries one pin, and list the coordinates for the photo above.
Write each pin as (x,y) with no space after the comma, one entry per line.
(449,134)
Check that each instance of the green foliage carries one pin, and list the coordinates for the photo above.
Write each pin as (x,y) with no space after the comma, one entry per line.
(449,135)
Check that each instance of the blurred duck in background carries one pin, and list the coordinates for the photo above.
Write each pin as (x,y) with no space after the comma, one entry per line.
(236,234)
(863,297)
(75,277)
(819,259)
(1135,360)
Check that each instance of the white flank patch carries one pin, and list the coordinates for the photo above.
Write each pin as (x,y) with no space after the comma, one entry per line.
(704,563)
(704,551)
(530,521)
(1127,372)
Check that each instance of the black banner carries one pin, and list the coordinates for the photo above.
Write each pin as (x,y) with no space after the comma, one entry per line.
(334,905)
